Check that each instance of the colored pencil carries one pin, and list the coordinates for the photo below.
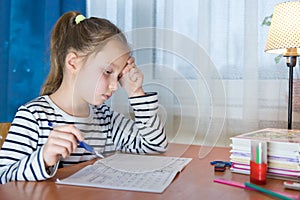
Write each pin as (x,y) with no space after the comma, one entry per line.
(266,191)
(243,186)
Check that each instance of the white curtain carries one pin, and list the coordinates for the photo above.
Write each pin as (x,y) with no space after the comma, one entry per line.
(206,59)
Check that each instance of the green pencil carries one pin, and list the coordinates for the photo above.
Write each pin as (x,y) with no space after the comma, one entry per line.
(266,191)
(257,155)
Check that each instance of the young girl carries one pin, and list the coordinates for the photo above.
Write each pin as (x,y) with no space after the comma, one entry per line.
(89,57)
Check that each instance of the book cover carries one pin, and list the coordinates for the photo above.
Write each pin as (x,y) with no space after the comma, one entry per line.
(272,134)
(280,141)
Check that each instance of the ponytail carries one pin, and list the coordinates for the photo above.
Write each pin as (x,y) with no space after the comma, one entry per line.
(69,34)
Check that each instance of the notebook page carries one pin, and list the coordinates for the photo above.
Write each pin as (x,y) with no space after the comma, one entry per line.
(129,172)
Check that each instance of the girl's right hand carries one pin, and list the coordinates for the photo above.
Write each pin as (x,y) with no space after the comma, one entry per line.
(132,79)
(62,141)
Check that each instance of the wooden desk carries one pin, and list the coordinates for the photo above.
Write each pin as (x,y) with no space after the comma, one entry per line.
(194,182)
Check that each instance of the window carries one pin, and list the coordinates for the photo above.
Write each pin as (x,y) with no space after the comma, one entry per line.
(206,58)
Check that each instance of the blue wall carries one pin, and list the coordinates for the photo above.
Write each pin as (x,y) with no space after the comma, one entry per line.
(25,31)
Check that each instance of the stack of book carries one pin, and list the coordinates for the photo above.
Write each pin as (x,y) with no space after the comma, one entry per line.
(283,152)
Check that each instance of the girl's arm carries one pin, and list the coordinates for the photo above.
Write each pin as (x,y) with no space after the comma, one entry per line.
(21,154)
(144,135)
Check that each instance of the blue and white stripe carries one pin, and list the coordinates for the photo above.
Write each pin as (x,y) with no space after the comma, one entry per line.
(107,131)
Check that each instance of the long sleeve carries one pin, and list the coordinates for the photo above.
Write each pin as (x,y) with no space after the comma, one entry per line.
(107,131)
(21,156)
(144,135)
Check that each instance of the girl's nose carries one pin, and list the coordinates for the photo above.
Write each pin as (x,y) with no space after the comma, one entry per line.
(113,85)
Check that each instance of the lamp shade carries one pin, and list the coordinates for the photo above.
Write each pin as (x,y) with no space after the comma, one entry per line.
(284,33)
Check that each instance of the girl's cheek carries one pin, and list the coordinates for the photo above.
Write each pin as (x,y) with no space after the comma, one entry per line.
(101,84)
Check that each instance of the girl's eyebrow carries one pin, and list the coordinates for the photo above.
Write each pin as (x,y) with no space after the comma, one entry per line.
(114,65)
(107,67)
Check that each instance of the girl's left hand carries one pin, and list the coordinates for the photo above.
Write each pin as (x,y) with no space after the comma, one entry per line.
(132,79)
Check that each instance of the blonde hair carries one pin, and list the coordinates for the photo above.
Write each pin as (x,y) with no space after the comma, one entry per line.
(86,37)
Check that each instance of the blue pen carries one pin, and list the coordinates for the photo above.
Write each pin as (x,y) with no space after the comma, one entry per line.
(90,149)
(84,145)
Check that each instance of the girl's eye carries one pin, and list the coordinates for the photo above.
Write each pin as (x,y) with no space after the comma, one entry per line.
(108,72)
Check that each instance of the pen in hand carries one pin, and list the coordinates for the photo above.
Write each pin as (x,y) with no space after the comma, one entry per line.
(90,149)
(84,145)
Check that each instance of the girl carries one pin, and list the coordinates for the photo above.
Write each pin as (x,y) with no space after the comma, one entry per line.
(89,57)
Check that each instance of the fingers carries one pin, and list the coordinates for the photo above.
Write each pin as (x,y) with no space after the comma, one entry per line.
(62,141)
(131,60)
(132,79)
(128,67)
(130,64)
(70,129)
(134,74)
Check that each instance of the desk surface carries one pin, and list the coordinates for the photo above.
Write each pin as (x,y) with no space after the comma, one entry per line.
(194,182)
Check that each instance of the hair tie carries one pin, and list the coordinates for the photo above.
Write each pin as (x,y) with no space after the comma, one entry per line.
(79,18)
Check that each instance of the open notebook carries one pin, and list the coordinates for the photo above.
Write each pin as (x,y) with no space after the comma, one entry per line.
(129,172)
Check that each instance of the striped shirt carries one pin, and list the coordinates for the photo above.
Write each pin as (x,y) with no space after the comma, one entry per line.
(107,131)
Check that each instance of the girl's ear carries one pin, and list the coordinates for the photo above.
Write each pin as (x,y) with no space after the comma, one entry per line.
(72,62)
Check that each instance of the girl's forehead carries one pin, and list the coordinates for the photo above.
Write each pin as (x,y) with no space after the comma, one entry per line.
(113,51)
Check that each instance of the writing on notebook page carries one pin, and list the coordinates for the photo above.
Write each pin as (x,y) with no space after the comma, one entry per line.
(129,172)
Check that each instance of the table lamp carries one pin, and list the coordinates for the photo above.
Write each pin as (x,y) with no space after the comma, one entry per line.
(284,38)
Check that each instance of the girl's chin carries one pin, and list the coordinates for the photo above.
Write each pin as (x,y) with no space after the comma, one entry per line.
(98,101)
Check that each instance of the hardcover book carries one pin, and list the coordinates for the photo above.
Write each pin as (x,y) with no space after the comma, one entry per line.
(283,151)
(280,141)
